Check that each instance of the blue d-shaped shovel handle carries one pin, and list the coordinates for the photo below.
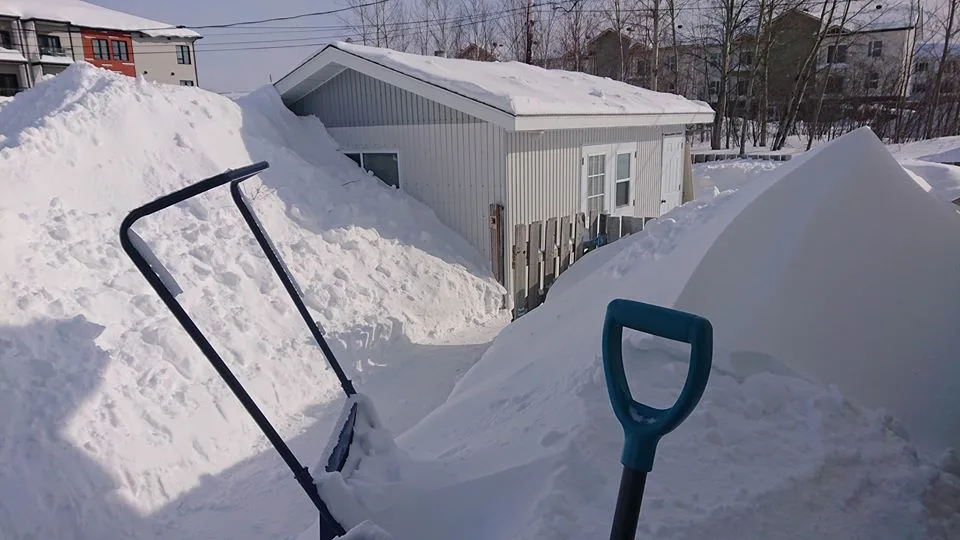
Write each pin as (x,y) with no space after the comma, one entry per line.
(643,426)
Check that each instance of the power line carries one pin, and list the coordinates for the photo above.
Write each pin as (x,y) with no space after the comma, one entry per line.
(272,19)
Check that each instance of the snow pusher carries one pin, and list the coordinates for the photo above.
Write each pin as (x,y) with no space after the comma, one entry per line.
(643,425)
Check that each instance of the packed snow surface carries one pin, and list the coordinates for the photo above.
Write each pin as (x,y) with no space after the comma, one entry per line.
(522,89)
(80,13)
(112,424)
(808,294)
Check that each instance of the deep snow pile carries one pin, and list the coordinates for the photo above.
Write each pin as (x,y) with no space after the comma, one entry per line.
(111,420)
(527,446)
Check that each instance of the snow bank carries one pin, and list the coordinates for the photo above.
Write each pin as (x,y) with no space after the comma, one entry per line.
(82,13)
(115,425)
(802,276)
(523,89)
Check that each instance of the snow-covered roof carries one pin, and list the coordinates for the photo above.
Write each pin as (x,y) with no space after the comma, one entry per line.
(514,95)
(80,13)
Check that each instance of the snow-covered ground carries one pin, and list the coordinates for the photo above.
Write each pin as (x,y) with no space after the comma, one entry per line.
(115,427)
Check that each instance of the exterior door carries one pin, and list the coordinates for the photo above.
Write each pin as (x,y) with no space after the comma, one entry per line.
(609,179)
(671,178)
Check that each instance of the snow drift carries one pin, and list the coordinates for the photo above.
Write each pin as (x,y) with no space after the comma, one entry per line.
(112,421)
(836,266)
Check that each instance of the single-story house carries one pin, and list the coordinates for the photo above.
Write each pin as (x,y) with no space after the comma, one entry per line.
(460,135)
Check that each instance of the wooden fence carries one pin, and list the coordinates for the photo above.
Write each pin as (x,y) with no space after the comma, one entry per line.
(543,250)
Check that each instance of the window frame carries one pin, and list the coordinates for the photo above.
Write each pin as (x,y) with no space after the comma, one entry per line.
(6,39)
(631,158)
(94,42)
(44,44)
(603,182)
(113,50)
(875,48)
(873,81)
(362,151)
(188,83)
(183,59)
(834,50)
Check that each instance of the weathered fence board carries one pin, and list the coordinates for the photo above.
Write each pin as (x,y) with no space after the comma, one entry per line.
(533,266)
(550,254)
(519,270)
(543,250)
(564,244)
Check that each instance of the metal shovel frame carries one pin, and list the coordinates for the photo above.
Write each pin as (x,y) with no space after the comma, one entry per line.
(329,527)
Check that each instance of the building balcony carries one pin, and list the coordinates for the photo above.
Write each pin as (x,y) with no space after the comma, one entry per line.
(55,51)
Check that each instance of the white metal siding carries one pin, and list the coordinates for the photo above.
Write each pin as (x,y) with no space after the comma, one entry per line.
(354,99)
(544,174)
(544,171)
(456,169)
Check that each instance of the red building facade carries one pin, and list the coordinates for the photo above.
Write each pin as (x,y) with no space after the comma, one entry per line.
(109,50)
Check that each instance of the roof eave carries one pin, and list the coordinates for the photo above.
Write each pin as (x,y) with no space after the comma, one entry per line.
(326,64)
(586,121)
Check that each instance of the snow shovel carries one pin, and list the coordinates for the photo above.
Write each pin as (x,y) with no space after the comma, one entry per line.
(643,426)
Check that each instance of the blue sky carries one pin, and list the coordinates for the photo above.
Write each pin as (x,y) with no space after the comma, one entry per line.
(231,71)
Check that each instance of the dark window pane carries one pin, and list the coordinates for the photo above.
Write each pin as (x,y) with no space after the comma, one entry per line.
(120,51)
(384,166)
(623,193)
(183,54)
(5,41)
(355,158)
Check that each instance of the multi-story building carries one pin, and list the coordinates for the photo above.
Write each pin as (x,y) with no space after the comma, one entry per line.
(39,39)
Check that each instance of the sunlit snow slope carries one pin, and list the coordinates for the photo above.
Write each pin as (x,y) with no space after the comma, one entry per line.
(110,419)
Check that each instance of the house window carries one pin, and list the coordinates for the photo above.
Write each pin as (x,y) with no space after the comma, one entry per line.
(875,49)
(837,54)
(9,84)
(5,41)
(715,59)
(921,67)
(642,67)
(742,87)
(383,165)
(714,87)
(49,45)
(873,80)
(101,49)
(190,83)
(834,84)
(670,62)
(919,87)
(120,51)
(596,178)
(624,174)
(183,54)
(746,58)
(946,87)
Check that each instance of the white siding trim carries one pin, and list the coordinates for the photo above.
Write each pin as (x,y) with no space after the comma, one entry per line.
(544,123)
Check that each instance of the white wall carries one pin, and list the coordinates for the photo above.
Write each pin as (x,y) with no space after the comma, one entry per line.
(456,169)
(156,60)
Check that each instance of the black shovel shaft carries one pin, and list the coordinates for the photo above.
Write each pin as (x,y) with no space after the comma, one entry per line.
(627,514)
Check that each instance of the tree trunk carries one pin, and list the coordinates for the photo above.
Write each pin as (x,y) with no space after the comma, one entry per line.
(753,77)
(938,78)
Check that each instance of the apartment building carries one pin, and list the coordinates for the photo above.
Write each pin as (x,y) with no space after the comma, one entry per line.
(38,39)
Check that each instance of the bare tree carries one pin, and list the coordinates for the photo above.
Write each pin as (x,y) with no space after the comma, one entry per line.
(577,26)
(379,24)
(941,65)
(731,23)
(478,25)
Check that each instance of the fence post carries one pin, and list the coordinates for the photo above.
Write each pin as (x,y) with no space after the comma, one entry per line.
(496,242)
(578,225)
(550,254)
(533,266)
(519,270)
(564,244)
(613,228)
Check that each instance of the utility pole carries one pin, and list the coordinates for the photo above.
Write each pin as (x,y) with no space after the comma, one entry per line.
(528,51)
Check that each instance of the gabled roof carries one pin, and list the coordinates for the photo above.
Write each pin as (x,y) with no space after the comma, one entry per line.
(80,13)
(515,96)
